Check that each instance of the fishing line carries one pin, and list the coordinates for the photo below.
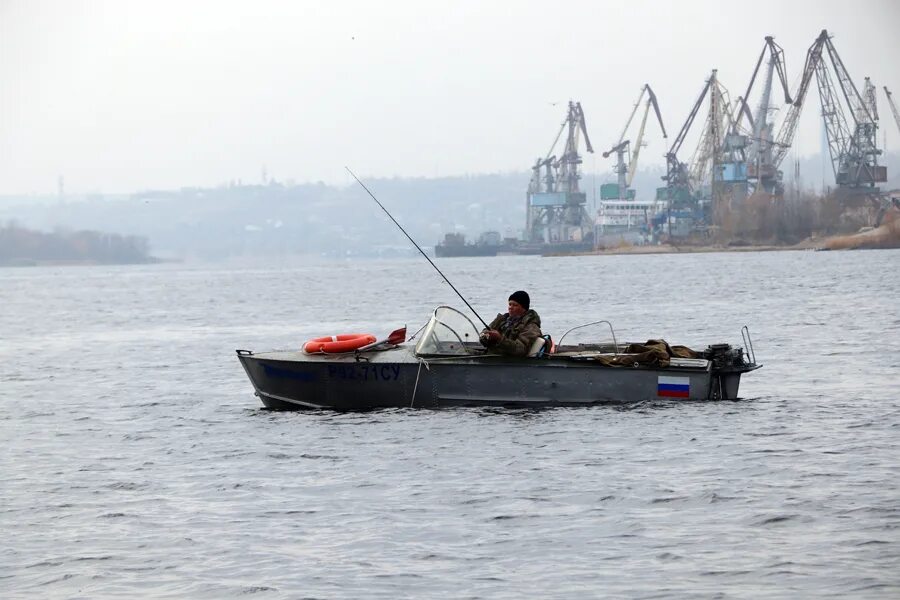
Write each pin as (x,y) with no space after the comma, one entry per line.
(417,246)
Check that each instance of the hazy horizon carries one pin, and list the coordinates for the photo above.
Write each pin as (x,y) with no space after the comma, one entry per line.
(119,97)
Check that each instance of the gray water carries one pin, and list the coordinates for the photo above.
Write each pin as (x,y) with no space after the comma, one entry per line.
(137,462)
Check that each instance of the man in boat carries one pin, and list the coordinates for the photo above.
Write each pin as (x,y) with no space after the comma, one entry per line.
(513,333)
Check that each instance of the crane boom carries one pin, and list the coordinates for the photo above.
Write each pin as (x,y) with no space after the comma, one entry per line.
(651,101)
(631,116)
(789,126)
(676,171)
(835,123)
(679,139)
(743,110)
(652,98)
(583,126)
(622,147)
(556,140)
(852,96)
(718,121)
(893,106)
(776,60)
(632,166)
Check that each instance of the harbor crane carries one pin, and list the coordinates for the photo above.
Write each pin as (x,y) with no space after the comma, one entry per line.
(704,161)
(685,181)
(714,157)
(555,209)
(625,172)
(756,150)
(851,134)
(851,138)
(677,173)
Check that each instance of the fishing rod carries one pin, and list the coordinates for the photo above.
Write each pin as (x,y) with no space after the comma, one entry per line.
(417,246)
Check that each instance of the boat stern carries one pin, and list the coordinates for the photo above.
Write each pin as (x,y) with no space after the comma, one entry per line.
(728,364)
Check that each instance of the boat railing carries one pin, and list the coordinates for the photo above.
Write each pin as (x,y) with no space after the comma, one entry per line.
(748,344)
(613,333)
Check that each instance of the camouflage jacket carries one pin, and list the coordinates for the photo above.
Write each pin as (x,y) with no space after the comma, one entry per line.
(517,334)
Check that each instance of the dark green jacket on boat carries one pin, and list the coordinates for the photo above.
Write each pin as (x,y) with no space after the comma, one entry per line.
(517,335)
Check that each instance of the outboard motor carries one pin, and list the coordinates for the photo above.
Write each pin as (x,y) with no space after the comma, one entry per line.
(724,356)
(727,365)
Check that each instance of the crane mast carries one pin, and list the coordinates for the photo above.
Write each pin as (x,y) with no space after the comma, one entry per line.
(761,127)
(621,170)
(568,163)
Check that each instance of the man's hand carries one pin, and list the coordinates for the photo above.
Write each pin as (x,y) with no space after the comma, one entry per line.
(489,337)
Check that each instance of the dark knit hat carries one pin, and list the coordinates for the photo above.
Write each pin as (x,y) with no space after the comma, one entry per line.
(522,298)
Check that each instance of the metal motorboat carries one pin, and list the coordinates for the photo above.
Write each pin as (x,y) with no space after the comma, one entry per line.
(447,366)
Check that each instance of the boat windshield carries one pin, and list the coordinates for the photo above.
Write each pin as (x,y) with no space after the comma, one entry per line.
(449,332)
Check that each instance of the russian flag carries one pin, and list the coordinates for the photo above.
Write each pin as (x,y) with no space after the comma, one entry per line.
(673,387)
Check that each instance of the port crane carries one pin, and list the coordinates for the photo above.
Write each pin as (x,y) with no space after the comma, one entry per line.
(685,182)
(851,135)
(555,203)
(704,161)
(893,106)
(625,172)
(851,138)
(754,152)
(677,175)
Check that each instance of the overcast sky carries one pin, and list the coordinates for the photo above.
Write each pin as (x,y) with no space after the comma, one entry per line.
(118,96)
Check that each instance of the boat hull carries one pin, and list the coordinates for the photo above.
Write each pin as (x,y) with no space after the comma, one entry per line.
(396,378)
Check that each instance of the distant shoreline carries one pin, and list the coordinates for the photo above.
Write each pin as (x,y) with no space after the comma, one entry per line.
(885,237)
(688,249)
(31,262)
(21,247)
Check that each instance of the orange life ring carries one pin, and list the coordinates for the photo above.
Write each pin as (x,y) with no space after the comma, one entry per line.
(345,342)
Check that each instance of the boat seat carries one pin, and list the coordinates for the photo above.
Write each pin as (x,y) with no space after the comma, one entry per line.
(536,347)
